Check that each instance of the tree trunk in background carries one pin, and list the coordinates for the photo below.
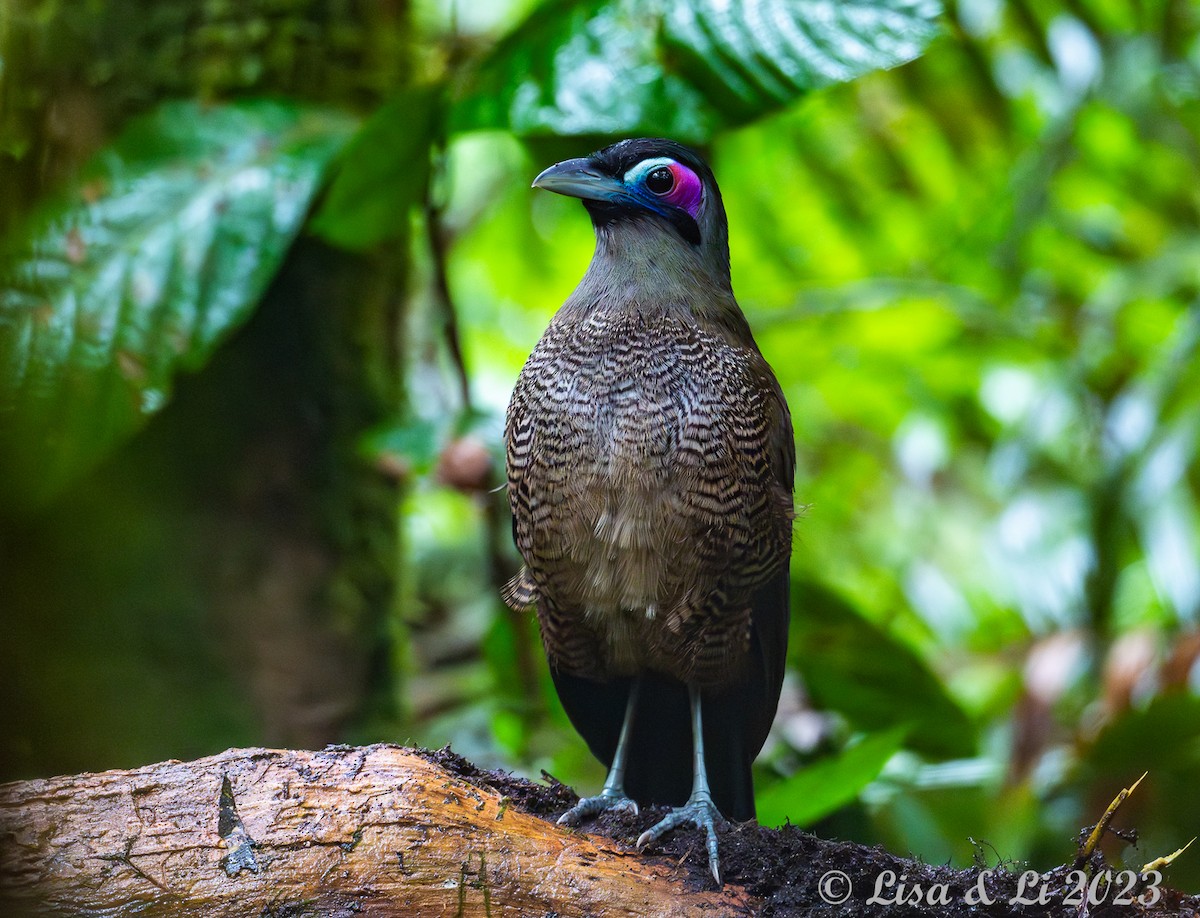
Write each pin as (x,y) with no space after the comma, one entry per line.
(238,556)
(302,532)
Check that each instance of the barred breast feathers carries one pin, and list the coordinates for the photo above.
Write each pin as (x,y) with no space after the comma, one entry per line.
(649,483)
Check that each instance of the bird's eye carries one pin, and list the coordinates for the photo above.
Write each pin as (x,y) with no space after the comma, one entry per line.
(674,185)
(660,181)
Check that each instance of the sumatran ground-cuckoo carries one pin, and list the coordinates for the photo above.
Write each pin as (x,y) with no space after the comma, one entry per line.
(650,463)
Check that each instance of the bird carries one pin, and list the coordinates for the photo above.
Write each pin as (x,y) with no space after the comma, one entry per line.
(650,463)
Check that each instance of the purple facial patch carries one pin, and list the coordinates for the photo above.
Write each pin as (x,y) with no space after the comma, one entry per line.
(688,191)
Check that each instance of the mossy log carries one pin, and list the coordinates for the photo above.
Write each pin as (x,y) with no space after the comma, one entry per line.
(388,831)
(373,831)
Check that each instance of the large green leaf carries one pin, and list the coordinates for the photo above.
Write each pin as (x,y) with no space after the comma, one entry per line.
(1163,736)
(382,174)
(682,67)
(828,785)
(852,666)
(161,249)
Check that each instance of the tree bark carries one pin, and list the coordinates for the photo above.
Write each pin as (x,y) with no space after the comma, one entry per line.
(386,831)
(372,831)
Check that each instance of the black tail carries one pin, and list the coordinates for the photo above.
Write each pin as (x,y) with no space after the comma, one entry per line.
(736,718)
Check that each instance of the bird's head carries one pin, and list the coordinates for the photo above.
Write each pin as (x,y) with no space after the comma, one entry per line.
(648,186)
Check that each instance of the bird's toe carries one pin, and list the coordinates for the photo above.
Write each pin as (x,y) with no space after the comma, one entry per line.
(592,806)
(701,812)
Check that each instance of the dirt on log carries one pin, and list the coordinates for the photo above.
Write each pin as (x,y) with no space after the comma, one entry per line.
(386,831)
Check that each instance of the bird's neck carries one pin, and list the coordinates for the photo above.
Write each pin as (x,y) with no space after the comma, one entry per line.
(645,267)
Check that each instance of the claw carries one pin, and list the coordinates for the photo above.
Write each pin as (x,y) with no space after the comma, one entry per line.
(590,806)
(701,812)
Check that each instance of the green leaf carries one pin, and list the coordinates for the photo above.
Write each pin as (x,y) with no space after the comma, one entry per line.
(1163,739)
(682,67)
(851,665)
(410,445)
(382,174)
(830,784)
(1164,736)
(160,250)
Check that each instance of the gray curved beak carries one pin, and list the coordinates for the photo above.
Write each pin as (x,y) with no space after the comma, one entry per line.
(577,178)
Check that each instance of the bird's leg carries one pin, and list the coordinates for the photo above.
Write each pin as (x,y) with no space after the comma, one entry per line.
(612,796)
(699,809)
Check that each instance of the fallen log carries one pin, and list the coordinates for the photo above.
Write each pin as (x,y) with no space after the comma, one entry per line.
(388,831)
(372,831)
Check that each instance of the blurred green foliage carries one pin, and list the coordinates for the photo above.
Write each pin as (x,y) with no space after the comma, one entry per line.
(977,276)
(167,242)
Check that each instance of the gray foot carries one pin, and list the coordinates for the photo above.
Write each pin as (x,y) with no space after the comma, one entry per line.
(590,806)
(701,812)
